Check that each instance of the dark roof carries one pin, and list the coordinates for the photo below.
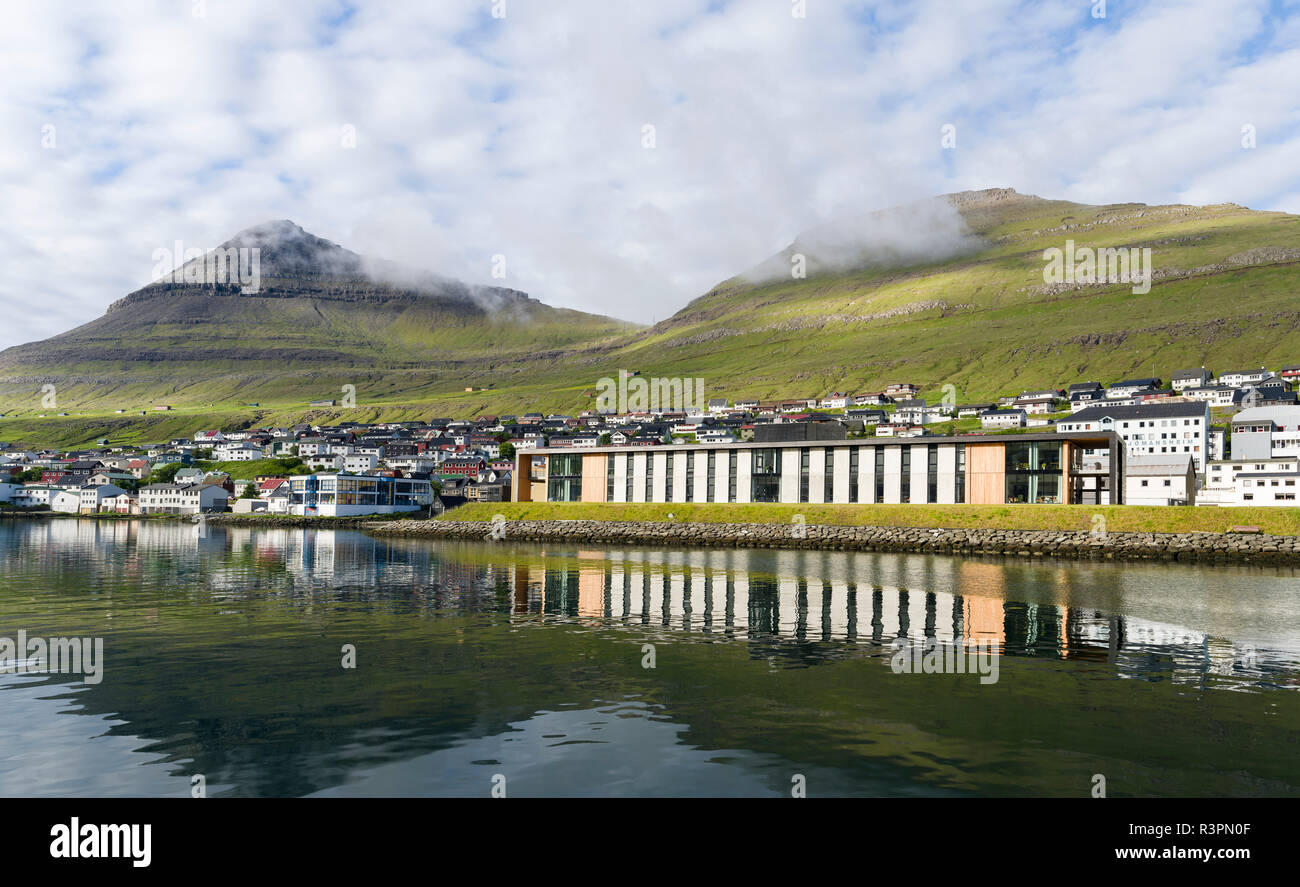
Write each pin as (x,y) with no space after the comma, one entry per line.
(1139,411)
(1129,383)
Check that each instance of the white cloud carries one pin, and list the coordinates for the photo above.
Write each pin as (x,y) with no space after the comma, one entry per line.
(523,136)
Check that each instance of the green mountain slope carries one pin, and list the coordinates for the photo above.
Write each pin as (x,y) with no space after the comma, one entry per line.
(958,299)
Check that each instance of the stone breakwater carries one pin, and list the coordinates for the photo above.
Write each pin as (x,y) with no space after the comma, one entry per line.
(1182,547)
(288,520)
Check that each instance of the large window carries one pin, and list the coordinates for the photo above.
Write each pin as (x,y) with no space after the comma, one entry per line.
(609,477)
(828,485)
(564,478)
(853,473)
(668,477)
(765,476)
(959,492)
(733,459)
(690,476)
(627,477)
(1033,470)
(880,474)
(932,473)
(710,491)
(905,475)
(804,458)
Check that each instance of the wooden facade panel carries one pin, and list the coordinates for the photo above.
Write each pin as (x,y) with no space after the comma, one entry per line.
(986,482)
(595,477)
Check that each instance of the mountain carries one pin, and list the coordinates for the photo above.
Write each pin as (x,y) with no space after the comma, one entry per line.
(946,291)
(953,292)
(322,316)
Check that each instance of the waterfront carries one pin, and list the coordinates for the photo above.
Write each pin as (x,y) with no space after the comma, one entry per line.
(222,658)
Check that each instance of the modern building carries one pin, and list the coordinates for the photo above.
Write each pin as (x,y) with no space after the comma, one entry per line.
(981,469)
(345,495)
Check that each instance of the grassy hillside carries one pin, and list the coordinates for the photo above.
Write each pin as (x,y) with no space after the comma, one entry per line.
(1224,296)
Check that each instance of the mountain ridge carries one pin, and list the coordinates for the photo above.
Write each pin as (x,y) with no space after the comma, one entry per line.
(974,311)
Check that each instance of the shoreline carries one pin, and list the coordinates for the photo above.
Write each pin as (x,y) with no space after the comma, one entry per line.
(1205,548)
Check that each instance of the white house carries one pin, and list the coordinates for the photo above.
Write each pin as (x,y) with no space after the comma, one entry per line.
(1157,429)
(1160,480)
(1129,387)
(357,463)
(1184,379)
(1238,378)
(1002,419)
(182,498)
(237,452)
(32,495)
(1273,482)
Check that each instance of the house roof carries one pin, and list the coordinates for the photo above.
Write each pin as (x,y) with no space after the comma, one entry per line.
(1281,414)
(1149,466)
(1140,411)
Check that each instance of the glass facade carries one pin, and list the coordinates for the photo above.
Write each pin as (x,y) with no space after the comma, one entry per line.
(1033,471)
(564,478)
(765,476)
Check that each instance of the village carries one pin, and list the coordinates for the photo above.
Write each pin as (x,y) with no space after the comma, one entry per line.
(1197,439)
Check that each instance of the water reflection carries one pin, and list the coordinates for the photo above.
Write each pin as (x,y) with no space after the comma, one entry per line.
(223,659)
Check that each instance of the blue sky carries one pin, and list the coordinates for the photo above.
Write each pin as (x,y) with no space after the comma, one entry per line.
(131,125)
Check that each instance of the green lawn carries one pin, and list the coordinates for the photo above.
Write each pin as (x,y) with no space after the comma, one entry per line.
(1119,518)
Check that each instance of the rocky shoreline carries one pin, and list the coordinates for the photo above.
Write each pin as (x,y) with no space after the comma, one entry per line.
(1180,547)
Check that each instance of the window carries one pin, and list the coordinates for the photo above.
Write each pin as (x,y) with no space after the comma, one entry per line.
(880,473)
(853,473)
(564,478)
(668,477)
(804,457)
(932,474)
(649,476)
(627,477)
(711,492)
(1033,471)
(690,476)
(609,478)
(960,490)
(905,478)
(732,460)
(828,485)
(765,476)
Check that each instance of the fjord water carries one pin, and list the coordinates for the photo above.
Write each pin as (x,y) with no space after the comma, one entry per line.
(483,662)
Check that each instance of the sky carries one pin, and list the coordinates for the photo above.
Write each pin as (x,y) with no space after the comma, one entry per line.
(619,158)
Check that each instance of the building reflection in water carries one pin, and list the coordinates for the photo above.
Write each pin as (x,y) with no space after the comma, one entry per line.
(806,606)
